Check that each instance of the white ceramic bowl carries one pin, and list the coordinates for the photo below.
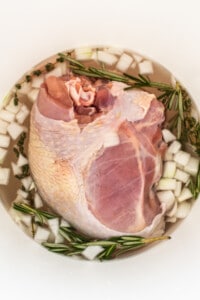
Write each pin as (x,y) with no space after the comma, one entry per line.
(167,32)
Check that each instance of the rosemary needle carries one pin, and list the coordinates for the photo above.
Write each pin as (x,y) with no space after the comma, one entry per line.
(186,128)
(75,243)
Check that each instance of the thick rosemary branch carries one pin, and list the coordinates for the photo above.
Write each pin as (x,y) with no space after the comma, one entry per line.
(75,242)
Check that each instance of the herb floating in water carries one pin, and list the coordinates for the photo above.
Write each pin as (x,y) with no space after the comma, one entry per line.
(28,78)
(19,147)
(181,123)
(27,209)
(16,99)
(195,185)
(75,243)
(49,67)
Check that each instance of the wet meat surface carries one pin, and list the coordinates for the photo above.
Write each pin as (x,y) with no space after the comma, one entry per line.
(104,99)
(100,188)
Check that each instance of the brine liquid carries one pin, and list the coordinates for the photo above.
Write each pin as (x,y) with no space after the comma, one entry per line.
(8,193)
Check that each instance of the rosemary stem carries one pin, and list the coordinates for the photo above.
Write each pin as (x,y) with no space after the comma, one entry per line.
(155,239)
(160,85)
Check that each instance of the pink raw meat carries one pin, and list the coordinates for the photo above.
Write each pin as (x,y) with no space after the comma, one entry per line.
(119,184)
(101,190)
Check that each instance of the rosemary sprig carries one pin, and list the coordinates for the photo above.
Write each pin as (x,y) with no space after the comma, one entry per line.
(195,185)
(75,242)
(19,147)
(27,209)
(111,248)
(175,99)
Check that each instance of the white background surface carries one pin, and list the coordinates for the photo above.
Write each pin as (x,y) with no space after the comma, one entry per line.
(167,31)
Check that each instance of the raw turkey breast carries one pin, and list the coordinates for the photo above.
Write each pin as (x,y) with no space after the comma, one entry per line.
(99,175)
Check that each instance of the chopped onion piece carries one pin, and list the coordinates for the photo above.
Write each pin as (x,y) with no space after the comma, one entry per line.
(41,235)
(37,81)
(64,223)
(166,184)
(63,66)
(4,141)
(16,215)
(111,139)
(54,225)
(59,239)
(169,169)
(137,58)
(124,62)
(16,169)
(57,72)
(33,94)
(12,107)
(22,193)
(19,198)
(4,176)
(183,210)
(32,186)
(173,81)
(3,153)
(25,88)
(187,182)
(133,65)
(182,157)
(185,195)
(171,219)
(14,130)
(173,211)
(168,156)
(91,252)
(26,182)
(26,219)
(83,53)
(22,114)
(168,136)
(6,116)
(179,166)
(115,50)
(192,166)
(106,58)
(94,55)
(166,197)
(195,114)
(174,147)
(181,175)
(178,188)
(145,67)
(3,126)
(37,201)
(5,100)
(22,161)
